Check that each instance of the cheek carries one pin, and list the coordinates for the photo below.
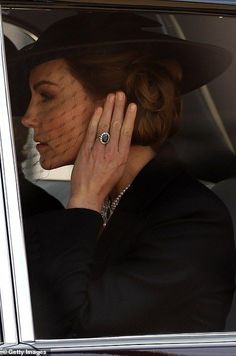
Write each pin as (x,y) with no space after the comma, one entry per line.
(76,127)
(64,125)
(81,113)
(69,132)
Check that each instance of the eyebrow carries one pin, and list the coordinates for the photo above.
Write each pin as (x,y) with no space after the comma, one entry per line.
(43,82)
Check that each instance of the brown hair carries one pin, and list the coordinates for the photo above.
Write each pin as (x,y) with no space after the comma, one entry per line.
(152,84)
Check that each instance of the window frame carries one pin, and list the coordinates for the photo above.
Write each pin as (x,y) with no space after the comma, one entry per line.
(20,281)
(13,244)
(8,316)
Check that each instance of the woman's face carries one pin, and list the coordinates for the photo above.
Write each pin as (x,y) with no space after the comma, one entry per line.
(59,113)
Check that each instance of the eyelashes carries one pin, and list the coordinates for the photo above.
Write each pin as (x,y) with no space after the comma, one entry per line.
(45,96)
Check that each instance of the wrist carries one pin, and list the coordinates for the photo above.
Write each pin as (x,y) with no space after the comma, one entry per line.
(84,203)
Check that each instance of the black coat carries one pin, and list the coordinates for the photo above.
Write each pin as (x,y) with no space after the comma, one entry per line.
(35,200)
(163,264)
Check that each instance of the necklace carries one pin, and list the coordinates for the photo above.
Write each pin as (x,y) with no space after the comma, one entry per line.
(110,205)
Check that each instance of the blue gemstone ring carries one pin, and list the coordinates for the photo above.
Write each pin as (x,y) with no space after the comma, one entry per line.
(104,138)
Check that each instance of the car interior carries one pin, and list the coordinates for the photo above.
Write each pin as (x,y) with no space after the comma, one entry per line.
(206,142)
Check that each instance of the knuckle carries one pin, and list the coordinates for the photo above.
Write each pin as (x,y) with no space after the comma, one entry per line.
(126,133)
(116,124)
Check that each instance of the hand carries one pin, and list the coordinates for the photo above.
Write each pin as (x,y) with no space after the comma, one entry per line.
(99,167)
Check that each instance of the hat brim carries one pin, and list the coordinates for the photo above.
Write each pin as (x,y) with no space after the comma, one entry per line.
(200,63)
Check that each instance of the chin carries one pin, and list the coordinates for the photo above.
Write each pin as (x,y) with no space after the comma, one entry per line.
(48,164)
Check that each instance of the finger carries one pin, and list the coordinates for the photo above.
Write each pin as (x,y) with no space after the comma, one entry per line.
(92,130)
(105,121)
(127,129)
(117,119)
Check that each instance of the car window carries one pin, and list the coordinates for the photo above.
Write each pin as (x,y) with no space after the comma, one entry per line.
(205,144)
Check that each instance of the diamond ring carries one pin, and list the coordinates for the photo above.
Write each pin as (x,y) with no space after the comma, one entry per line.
(104,138)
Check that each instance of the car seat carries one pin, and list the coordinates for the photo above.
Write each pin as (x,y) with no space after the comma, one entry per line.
(226,191)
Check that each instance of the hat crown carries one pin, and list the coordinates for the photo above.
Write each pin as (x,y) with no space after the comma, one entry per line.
(91,28)
(94,32)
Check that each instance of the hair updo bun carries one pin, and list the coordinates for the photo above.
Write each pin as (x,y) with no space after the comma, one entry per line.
(153,85)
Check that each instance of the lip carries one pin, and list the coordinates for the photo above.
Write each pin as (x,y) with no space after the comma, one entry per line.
(40,145)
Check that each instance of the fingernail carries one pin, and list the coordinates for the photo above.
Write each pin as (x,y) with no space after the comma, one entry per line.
(120,95)
(111,97)
(99,110)
(132,107)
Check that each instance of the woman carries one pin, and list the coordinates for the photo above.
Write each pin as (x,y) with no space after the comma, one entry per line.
(142,247)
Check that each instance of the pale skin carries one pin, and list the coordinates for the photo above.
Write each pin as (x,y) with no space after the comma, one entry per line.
(66,123)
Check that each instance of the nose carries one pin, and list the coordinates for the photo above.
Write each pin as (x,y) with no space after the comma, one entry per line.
(29,119)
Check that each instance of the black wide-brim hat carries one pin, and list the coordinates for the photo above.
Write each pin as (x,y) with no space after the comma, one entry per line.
(107,32)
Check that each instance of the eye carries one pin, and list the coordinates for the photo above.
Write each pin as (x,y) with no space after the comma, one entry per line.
(46,96)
